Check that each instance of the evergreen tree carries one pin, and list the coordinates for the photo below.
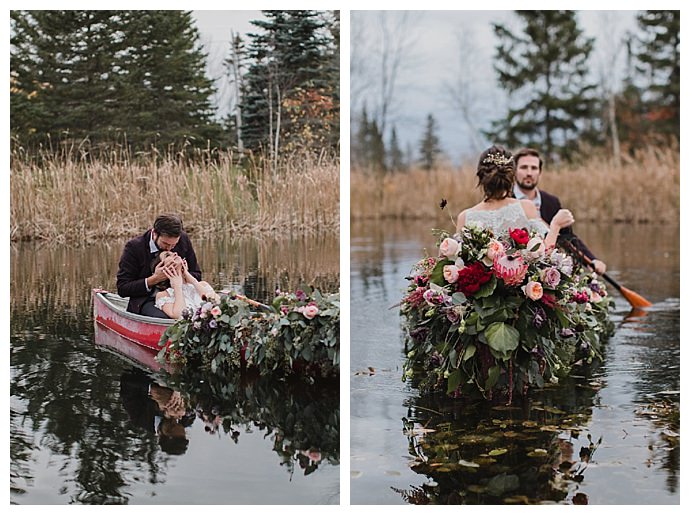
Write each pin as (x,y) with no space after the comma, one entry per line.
(658,60)
(396,159)
(290,95)
(376,148)
(429,147)
(96,75)
(544,70)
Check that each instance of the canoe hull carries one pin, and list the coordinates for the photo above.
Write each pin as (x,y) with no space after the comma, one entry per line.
(110,310)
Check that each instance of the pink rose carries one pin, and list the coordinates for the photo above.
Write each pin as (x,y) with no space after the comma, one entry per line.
(495,248)
(310,311)
(449,248)
(551,277)
(595,297)
(450,273)
(216,311)
(533,290)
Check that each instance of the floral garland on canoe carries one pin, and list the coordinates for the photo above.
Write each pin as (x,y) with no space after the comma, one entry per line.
(498,314)
(298,333)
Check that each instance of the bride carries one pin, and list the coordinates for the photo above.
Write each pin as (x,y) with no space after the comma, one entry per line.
(182,290)
(498,211)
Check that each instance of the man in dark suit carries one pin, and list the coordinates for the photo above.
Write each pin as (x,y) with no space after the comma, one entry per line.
(528,168)
(136,280)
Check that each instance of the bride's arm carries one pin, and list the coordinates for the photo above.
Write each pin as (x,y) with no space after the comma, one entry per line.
(561,220)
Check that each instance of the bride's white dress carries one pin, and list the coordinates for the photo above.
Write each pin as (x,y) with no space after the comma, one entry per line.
(192,299)
(508,217)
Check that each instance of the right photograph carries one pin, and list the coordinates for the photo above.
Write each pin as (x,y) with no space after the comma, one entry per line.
(515,257)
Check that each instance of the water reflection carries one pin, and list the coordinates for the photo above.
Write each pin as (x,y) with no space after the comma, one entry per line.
(80,430)
(610,435)
(483,454)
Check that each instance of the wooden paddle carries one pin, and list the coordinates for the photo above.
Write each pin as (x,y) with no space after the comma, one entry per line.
(635,299)
(249,301)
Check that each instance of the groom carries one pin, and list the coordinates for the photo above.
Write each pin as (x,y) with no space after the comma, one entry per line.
(528,167)
(136,280)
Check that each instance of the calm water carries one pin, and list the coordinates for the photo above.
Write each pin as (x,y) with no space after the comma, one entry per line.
(611,432)
(83,429)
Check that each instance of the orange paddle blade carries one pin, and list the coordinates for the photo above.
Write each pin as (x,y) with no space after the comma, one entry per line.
(635,299)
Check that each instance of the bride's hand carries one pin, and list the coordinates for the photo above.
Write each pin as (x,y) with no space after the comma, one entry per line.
(175,276)
(564,218)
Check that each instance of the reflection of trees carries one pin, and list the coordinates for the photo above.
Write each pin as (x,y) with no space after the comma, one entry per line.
(302,420)
(484,454)
(59,390)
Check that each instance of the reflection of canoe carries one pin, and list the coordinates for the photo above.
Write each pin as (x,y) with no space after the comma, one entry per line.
(110,310)
(138,355)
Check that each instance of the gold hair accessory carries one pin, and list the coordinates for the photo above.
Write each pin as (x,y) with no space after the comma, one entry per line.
(497,159)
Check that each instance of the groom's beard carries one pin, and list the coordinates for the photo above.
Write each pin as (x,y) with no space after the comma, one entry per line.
(527,185)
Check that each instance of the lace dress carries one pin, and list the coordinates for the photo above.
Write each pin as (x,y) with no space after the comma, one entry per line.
(192,298)
(508,217)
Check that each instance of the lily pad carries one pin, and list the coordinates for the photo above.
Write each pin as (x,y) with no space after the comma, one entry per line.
(498,452)
(468,464)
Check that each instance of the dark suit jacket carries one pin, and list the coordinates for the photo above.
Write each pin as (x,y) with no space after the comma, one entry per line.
(135,267)
(550,204)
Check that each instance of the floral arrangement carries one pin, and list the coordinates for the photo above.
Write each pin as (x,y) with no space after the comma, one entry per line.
(298,333)
(495,314)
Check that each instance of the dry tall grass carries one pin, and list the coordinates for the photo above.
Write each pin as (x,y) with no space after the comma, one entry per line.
(643,189)
(70,199)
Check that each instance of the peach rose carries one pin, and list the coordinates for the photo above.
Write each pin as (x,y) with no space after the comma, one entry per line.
(451,273)
(533,290)
(216,311)
(449,248)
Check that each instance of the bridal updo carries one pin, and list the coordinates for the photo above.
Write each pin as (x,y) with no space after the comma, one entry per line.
(496,173)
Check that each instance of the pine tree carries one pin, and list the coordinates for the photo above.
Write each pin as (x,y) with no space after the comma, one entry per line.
(544,71)
(658,60)
(98,75)
(289,95)
(396,159)
(429,147)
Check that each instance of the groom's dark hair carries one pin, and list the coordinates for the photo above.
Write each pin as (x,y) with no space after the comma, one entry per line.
(526,151)
(168,225)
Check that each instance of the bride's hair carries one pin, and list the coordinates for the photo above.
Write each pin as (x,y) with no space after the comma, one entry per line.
(496,173)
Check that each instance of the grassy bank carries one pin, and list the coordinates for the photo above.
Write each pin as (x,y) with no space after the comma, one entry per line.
(71,200)
(644,189)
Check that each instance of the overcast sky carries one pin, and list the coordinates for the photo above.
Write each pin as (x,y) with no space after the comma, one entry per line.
(429,67)
(433,63)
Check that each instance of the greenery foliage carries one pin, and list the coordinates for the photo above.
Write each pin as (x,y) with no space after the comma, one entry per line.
(298,334)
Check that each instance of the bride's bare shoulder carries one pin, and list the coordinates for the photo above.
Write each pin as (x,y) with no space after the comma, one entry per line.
(529,208)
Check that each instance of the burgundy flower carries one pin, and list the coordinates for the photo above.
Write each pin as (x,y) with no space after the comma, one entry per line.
(301,296)
(472,277)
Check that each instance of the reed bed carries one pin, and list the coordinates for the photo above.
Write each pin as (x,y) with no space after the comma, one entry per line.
(69,199)
(642,189)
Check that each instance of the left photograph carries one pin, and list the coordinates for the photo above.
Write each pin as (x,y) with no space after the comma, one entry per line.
(174,257)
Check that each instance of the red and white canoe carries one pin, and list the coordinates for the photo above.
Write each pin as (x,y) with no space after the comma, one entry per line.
(110,310)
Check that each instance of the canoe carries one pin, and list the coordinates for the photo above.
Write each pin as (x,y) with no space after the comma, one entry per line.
(139,356)
(110,310)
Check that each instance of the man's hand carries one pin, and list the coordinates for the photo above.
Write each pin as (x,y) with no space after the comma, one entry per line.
(599,266)
(158,275)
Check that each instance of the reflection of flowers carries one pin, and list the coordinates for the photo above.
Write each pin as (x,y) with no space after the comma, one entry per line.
(501,324)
